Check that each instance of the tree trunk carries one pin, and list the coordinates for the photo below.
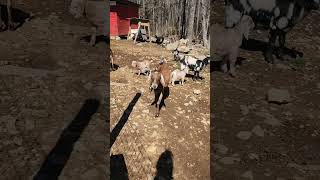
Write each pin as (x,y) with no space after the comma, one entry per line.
(205,22)
(198,18)
(183,22)
(191,20)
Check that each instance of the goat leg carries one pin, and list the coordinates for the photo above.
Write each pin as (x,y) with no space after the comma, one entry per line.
(158,105)
(10,24)
(198,75)
(233,59)
(93,36)
(282,41)
(268,54)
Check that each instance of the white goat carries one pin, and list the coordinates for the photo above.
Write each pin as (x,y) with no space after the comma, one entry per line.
(226,42)
(179,75)
(95,12)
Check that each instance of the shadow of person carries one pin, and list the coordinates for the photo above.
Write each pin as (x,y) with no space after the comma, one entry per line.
(60,154)
(123,120)
(165,166)
(118,168)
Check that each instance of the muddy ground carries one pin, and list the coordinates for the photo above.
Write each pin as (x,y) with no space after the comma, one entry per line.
(254,139)
(46,76)
(183,125)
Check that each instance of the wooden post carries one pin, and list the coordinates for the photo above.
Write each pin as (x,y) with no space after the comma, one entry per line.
(149,31)
(139,26)
(129,32)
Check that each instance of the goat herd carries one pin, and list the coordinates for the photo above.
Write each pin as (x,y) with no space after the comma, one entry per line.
(276,16)
(162,75)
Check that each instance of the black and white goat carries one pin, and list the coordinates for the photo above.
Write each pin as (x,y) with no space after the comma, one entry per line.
(177,56)
(277,16)
(194,64)
(159,39)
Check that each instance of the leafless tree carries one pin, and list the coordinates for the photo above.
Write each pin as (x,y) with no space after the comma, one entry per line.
(183,18)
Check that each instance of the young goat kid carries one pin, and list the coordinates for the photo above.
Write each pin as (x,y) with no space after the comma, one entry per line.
(159,82)
(179,75)
(96,12)
(141,67)
(226,42)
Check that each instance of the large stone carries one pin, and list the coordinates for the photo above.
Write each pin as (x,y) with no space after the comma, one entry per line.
(257,130)
(244,109)
(183,49)
(229,160)
(221,149)
(172,46)
(244,135)
(247,175)
(196,91)
(183,42)
(269,118)
(278,96)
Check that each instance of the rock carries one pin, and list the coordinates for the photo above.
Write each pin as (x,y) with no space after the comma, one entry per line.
(229,160)
(183,49)
(17,141)
(183,42)
(153,39)
(172,46)
(221,149)
(257,130)
(244,109)
(88,86)
(253,156)
(244,135)
(196,91)
(152,150)
(283,66)
(10,124)
(247,175)
(278,96)
(40,113)
(269,118)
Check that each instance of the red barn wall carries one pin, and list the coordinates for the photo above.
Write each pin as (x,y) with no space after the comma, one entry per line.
(119,24)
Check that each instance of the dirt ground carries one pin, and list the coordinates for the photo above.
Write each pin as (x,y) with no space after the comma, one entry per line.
(276,141)
(183,125)
(46,75)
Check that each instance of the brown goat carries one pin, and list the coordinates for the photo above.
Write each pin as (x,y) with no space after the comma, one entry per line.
(159,82)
